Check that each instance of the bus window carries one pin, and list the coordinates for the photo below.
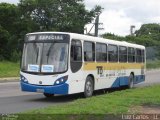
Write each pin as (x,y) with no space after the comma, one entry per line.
(112,53)
(131,55)
(122,54)
(76,50)
(76,55)
(138,55)
(101,52)
(89,54)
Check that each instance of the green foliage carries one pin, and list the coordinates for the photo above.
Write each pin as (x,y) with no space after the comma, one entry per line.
(9,69)
(69,16)
(8,17)
(149,29)
(113,36)
(142,40)
(15,56)
(4,36)
(39,15)
(9,30)
(149,34)
(153,64)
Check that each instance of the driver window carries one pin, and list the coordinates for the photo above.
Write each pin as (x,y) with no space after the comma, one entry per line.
(76,50)
(76,55)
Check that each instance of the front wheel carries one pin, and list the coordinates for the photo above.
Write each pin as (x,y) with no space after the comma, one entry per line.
(47,95)
(131,81)
(89,87)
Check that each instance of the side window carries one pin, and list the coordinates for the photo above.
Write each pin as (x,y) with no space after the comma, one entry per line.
(112,53)
(89,51)
(138,55)
(131,55)
(76,50)
(101,52)
(122,54)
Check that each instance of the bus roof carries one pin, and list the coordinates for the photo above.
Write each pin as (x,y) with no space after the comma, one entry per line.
(94,39)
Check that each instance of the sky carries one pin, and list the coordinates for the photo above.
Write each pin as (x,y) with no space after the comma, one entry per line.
(118,15)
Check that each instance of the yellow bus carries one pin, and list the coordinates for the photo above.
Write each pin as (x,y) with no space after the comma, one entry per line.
(68,63)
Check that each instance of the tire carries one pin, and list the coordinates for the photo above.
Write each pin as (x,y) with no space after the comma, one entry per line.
(89,87)
(47,95)
(131,81)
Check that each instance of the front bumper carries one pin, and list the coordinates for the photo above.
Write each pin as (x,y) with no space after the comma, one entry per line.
(56,89)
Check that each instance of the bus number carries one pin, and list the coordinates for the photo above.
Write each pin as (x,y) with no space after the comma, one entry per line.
(99,70)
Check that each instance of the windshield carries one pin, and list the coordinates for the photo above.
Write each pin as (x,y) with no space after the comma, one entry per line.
(45,57)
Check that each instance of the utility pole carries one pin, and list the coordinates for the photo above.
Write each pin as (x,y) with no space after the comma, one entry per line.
(96,25)
(131,30)
(97,28)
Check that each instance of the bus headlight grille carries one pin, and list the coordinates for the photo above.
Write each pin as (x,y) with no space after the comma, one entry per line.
(23,79)
(61,80)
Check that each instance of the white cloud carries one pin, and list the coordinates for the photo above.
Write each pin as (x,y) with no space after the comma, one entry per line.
(119,15)
(114,21)
(10,1)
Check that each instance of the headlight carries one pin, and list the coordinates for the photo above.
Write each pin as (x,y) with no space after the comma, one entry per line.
(23,79)
(61,80)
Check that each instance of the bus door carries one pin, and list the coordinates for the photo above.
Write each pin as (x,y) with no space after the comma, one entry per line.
(76,59)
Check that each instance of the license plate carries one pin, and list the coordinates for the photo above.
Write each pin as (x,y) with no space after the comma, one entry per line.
(40,90)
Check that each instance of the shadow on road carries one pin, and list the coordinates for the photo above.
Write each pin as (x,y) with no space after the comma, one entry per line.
(56,99)
(70,98)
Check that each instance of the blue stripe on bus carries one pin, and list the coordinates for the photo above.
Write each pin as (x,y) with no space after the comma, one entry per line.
(122,81)
(139,78)
(58,89)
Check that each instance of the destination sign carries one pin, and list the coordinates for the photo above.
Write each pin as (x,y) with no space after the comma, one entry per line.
(50,37)
(47,37)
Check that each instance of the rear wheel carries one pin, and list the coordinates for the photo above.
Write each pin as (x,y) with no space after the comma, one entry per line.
(89,87)
(47,95)
(131,81)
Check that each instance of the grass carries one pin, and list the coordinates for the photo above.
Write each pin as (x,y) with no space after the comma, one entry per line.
(9,69)
(114,103)
(153,64)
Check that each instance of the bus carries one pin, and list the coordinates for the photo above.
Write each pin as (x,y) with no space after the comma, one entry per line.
(67,63)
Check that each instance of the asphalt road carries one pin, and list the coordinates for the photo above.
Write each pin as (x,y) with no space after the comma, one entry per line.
(12,100)
(152,77)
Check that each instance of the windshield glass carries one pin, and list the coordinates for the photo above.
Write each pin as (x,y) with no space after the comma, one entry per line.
(55,55)
(45,57)
(45,53)
(31,56)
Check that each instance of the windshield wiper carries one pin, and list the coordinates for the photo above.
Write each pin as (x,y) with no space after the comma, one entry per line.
(49,50)
(36,50)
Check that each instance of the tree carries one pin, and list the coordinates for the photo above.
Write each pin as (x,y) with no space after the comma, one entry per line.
(58,15)
(148,29)
(4,36)
(8,28)
(113,37)
(8,17)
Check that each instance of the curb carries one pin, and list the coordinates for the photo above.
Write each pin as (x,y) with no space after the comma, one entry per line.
(9,79)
